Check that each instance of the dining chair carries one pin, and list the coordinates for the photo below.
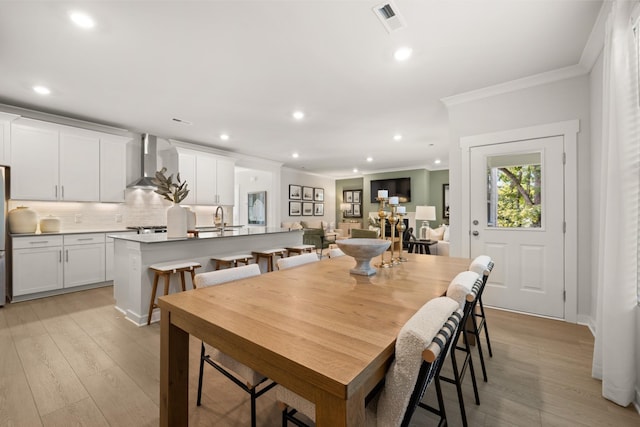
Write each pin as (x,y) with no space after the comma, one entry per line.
(294,261)
(243,376)
(335,252)
(483,265)
(463,289)
(421,347)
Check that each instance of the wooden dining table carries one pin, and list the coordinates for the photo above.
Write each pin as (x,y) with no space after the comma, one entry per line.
(316,329)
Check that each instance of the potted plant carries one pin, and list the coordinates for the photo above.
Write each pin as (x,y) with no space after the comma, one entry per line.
(174,192)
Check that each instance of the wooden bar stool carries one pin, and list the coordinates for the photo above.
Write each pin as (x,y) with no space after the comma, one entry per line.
(166,270)
(232,260)
(300,249)
(269,255)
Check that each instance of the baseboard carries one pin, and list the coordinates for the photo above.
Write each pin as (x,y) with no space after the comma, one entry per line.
(587,321)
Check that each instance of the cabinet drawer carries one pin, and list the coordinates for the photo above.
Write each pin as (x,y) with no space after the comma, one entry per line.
(40,241)
(83,239)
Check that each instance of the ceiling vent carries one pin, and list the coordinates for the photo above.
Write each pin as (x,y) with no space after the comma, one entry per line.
(388,14)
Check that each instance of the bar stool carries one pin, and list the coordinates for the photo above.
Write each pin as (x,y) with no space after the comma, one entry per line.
(166,270)
(269,255)
(300,249)
(232,260)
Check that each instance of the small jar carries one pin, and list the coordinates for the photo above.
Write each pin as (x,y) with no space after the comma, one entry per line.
(50,224)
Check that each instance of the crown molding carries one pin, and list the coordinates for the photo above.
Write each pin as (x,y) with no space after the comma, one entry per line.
(595,42)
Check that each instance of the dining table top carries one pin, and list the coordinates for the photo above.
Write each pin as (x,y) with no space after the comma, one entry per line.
(320,331)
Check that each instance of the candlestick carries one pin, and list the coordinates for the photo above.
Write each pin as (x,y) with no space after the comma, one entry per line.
(382,215)
(392,220)
(394,200)
(401,227)
(383,194)
(402,210)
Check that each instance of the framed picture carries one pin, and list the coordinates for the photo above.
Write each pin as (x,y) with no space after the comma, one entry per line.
(257,208)
(295,192)
(318,209)
(357,196)
(445,200)
(347,196)
(356,210)
(318,194)
(295,208)
(307,208)
(307,193)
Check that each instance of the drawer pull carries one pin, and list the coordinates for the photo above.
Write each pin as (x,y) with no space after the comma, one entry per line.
(86,238)
(39,242)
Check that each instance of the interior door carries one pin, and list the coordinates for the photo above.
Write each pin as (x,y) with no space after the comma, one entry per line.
(517,218)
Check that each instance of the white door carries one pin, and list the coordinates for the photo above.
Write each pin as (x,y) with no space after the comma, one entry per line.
(517,218)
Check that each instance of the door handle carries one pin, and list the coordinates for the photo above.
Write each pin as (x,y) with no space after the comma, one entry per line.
(67,255)
(475,233)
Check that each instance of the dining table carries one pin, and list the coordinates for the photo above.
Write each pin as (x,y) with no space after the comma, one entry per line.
(316,329)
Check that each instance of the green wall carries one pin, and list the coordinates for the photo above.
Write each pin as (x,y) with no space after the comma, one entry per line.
(436,180)
(346,184)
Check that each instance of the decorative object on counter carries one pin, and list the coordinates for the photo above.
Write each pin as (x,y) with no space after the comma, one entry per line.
(173,192)
(50,224)
(191,219)
(23,219)
(363,250)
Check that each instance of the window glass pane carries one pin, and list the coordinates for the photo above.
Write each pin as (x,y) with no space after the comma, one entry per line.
(514,191)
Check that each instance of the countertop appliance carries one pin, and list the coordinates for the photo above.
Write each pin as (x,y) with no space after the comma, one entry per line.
(149,229)
(3,236)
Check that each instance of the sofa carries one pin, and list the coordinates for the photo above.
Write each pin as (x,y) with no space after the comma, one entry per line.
(316,232)
(441,236)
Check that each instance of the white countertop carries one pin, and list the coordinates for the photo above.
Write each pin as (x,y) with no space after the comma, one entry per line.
(62,232)
(238,232)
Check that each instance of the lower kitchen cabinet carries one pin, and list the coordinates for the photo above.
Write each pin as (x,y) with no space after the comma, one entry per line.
(37,265)
(84,260)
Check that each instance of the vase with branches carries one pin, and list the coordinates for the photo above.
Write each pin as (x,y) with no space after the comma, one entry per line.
(174,192)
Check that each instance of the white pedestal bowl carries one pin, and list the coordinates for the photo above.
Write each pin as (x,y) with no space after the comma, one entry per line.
(363,250)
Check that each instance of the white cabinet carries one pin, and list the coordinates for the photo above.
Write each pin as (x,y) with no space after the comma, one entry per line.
(56,162)
(109,256)
(37,264)
(84,259)
(5,137)
(210,178)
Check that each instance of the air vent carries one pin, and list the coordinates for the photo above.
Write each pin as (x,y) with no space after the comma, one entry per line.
(388,14)
(182,122)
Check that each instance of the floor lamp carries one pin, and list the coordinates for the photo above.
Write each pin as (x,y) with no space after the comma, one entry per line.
(425,214)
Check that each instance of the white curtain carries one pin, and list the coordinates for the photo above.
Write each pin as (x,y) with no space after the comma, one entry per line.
(614,359)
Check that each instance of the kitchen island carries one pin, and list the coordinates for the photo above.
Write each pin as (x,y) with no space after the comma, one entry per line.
(134,253)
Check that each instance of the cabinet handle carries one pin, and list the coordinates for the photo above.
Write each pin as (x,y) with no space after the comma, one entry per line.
(86,238)
(60,255)
(39,242)
(66,255)
(56,188)
(62,186)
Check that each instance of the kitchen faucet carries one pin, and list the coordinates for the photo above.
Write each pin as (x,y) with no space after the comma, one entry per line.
(219,220)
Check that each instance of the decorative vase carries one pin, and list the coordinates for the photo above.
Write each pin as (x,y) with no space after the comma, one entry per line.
(50,224)
(176,221)
(191,219)
(23,220)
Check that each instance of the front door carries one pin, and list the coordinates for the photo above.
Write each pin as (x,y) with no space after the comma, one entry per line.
(517,218)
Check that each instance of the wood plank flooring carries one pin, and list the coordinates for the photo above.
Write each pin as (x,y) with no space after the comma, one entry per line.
(74,360)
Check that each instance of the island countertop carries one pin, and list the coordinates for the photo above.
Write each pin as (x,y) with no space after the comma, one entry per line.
(229,232)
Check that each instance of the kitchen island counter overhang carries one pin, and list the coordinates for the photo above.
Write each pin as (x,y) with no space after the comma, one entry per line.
(133,254)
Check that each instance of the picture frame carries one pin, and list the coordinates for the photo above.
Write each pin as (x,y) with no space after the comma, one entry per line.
(307,193)
(257,208)
(318,209)
(357,196)
(307,209)
(318,194)
(347,196)
(295,208)
(445,201)
(356,210)
(295,192)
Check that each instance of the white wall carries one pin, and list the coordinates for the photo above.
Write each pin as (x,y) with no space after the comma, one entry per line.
(249,181)
(554,102)
(292,176)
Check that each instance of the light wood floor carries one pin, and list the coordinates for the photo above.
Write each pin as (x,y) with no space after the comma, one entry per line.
(73,360)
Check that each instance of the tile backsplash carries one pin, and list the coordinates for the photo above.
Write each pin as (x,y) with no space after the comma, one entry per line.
(142,207)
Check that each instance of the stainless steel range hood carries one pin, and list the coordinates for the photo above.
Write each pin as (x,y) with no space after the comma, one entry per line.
(149,163)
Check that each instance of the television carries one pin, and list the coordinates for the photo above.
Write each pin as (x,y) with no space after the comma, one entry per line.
(400,187)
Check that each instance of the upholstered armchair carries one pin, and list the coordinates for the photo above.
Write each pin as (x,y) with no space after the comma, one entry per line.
(315,234)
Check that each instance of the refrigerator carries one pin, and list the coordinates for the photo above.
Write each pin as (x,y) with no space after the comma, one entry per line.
(3,237)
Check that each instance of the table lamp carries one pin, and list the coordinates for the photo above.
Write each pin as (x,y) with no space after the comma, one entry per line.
(345,207)
(425,214)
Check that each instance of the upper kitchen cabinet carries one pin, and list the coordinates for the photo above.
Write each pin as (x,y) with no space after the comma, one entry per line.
(63,163)
(5,137)
(210,178)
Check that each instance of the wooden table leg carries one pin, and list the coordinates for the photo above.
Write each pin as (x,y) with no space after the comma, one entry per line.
(331,411)
(174,373)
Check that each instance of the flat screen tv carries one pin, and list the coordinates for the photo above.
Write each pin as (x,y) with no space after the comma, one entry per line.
(400,187)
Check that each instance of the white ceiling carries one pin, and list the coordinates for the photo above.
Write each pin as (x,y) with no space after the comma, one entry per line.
(242,67)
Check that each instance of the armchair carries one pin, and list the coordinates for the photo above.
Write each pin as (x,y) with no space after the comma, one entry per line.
(315,234)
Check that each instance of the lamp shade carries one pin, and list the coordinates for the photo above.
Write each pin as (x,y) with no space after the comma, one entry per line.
(426,213)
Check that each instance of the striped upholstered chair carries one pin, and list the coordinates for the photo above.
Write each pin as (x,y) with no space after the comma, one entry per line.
(421,346)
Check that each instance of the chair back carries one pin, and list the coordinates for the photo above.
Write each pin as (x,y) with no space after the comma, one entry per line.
(401,379)
(360,233)
(464,288)
(294,261)
(217,277)
(482,265)
(335,252)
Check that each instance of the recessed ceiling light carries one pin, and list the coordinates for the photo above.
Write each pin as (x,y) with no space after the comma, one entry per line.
(397,137)
(224,137)
(355,170)
(295,155)
(298,115)
(369,159)
(403,53)
(41,90)
(82,20)
(436,161)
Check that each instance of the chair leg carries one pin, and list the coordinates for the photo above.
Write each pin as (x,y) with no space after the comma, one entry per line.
(182,281)
(153,297)
(471,368)
(199,400)
(484,326)
(476,334)
(193,278)
(253,407)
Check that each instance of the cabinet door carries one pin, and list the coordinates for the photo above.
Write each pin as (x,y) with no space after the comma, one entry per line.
(34,161)
(79,168)
(84,264)
(205,180)
(113,170)
(37,270)
(187,168)
(225,179)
